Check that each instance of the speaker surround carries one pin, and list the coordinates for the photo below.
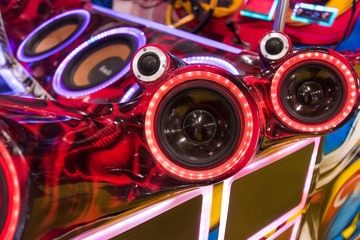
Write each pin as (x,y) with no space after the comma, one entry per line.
(232,126)
(108,54)
(313,92)
(53,35)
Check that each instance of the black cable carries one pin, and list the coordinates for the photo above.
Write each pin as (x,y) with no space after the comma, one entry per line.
(353,10)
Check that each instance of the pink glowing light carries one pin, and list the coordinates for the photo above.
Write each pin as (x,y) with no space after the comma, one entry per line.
(258,164)
(119,226)
(295,223)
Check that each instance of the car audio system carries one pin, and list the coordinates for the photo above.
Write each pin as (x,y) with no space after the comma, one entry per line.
(84,53)
(191,125)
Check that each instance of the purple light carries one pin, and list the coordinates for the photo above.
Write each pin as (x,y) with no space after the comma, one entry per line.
(2,57)
(295,222)
(172,31)
(62,90)
(257,164)
(13,83)
(121,225)
(214,61)
(81,12)
(129,93)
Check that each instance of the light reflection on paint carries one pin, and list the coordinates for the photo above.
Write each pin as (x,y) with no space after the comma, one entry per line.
(172,31)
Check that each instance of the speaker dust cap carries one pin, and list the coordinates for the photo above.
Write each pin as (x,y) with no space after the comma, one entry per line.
(200,126)
(98,62)
(53,35)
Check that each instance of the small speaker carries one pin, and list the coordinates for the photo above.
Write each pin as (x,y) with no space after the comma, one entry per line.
(53,35)
(274,46)
(314,91)
(198,129)
(149,64)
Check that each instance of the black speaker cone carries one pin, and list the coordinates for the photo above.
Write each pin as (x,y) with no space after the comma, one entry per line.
(99,62)
(199,125)
(53,35)
(312,92)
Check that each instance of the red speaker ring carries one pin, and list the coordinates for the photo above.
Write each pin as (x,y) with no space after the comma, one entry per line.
(189,174)
(313,127)
(14,194)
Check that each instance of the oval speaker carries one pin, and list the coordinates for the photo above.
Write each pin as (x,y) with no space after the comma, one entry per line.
(9,195)
(200,126)
(53,35)
(98,62)
(314,91)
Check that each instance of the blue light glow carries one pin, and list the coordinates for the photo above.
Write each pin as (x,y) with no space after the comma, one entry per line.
(267,17)
(60,89)
(319,8)
(2,57)
(172,31)
(81,12)
(13,85)
(128,95)
(214,61)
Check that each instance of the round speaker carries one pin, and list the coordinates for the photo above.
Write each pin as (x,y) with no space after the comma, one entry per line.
(98,62)
(199,126)
(9,195)
(53,35)
(274,46)
(313,92)
(149,64)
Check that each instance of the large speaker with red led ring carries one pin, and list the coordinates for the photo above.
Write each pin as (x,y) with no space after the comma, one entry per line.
(314,91)
(201,126)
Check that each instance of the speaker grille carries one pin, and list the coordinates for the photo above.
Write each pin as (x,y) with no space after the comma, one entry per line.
(98,62)
(53,35)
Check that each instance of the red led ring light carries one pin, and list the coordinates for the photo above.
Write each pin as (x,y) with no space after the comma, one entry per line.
(13,185)
(185,173)
(350,85)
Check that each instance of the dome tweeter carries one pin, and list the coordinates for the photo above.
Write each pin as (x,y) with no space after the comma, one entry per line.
(274,46)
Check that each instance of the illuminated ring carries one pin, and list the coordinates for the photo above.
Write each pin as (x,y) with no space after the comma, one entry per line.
(14,195)
(281,54)
(213,61)
(350,86)
(218,170)
(58,86)
(20,52)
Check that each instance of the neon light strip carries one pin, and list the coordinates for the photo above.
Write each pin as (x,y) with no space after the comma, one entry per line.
(268,17)
(213,61)
(20,52)
(2,57)
(295,222)
(122,225)
(14,194)
(172,31)
(129,93)
(16,86)
(333,11)
(254,166)
(62,90)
